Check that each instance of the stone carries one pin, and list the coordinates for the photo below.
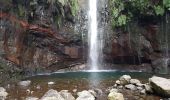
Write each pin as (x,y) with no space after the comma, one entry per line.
(98,91)
(140,84)
(148,88)
(3,93)
(85,95)
(160,85)
(93,93)
(31,98)
(125,79)
(118,82)
(24,83)
(115,85)
(135,81)
(51,83)
(139,88)
(52,95)
(74,90)
(131,87)
(143,92)
(66,95)
(38,87)
(120,87)
(115,96)
(114,90)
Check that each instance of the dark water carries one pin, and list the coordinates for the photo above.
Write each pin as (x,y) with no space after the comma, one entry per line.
(80,81)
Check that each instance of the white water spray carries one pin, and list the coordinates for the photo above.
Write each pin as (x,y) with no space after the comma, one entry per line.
(93,36)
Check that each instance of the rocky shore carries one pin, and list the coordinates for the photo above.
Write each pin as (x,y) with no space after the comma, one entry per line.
(121,90)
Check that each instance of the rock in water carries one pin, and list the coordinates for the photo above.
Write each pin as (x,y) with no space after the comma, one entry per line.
(115,96)
(85,95)
(160,85)
(3,93)
(52,95)
(125,79)
(24,83)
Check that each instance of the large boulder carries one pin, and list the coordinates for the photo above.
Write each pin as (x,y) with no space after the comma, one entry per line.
(52,95)
(125,79)
(115,96)
(85,95)
(160,85)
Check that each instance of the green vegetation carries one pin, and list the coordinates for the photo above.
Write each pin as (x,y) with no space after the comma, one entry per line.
(74,6)
(124,11)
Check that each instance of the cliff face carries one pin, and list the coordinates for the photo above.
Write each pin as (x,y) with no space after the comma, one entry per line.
(49,34)
(38,33)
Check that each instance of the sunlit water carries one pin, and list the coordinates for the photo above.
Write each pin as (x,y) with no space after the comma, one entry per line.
(93,35)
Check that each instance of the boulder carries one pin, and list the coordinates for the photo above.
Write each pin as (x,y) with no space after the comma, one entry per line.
(66,95)
(24,83)
(52,95)
(125,79)
(115,96)
(85,95)
(160,85)
(135,81)
(131,87)
(3,93)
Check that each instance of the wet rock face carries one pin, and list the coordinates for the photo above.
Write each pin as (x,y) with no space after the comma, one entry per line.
(160,65)
(44,36)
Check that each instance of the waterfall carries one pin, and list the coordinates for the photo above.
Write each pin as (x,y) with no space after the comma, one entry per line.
(93,36)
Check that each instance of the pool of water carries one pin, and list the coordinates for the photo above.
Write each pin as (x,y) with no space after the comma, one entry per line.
(78,81)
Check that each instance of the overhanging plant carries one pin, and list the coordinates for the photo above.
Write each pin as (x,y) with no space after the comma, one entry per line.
(124,11)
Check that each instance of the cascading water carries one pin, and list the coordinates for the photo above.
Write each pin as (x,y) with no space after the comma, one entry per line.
(93,36)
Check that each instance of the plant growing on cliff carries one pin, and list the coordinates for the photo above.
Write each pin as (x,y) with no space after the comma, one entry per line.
(124,11)
(74,6)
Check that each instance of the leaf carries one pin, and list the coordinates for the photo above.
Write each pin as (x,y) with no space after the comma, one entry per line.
(122,20)
(159,10)
(115,12)
(166,3)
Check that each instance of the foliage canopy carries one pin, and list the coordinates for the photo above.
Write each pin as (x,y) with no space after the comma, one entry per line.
(124,11)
